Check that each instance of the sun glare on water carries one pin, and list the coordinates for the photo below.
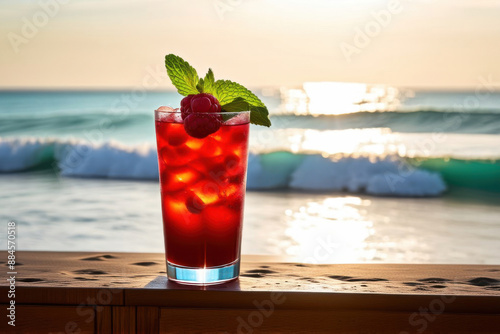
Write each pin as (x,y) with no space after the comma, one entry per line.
(362,142)
(338,98)
(332,231)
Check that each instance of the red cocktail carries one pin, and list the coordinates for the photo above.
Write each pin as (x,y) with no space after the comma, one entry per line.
(202,194)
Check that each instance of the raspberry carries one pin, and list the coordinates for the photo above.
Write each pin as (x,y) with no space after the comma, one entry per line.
(200,125)
(197,122)
(194,204)
(186,106)
(203,102)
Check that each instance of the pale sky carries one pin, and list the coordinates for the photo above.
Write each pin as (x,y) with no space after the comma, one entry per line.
(113,43)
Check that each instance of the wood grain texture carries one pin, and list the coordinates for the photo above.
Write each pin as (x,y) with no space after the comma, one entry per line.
(64,295)
(113,279)
(307,301)
(104,320)
(148,320)
(318,321)
(49,319)
(117,271)
(124,319)
(129,293)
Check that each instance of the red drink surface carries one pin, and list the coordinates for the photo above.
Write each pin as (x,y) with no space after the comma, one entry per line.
(202,193)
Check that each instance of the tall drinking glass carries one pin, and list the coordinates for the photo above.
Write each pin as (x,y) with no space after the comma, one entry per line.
(202,195)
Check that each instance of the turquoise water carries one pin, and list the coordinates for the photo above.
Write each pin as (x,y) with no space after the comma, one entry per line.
(415,181)
(41,129)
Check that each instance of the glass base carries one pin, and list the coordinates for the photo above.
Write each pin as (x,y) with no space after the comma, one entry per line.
(203,276)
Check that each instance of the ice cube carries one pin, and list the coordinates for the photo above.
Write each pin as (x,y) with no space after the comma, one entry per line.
(241,118)
(178,156)
(165,108)
(211,148)
(177,178)
(221,220)
(207,191)
(177,216)
(176,135)
(168,114)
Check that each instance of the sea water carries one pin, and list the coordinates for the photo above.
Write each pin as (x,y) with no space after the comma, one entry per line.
(407,177)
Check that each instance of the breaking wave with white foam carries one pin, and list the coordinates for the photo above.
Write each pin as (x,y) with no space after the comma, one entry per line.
(388,176)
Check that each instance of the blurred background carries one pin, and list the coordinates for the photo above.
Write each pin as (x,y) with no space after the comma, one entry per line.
(385,138)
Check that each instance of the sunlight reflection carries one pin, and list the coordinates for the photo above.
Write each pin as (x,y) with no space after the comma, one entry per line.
(377,141)
(331,231)
(360,141)
(336,98)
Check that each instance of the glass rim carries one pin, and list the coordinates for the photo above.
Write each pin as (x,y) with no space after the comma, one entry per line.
(178,111)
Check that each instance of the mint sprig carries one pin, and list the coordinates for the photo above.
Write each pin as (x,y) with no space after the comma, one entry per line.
(209,80)
(232,96)
(183,76)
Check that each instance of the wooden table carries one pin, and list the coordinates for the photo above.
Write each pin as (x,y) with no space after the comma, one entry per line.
(129,293)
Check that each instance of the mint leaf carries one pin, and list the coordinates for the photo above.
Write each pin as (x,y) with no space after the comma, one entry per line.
(209,83)
(183,76)
(239,104)
(200,86)
(259,116)
(228,92)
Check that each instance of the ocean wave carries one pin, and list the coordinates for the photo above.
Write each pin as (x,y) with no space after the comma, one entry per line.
(417,121)
(400,110)
(388,176)
(25,154)
(69,122)
(276,170)
(78,158)
(443,121)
